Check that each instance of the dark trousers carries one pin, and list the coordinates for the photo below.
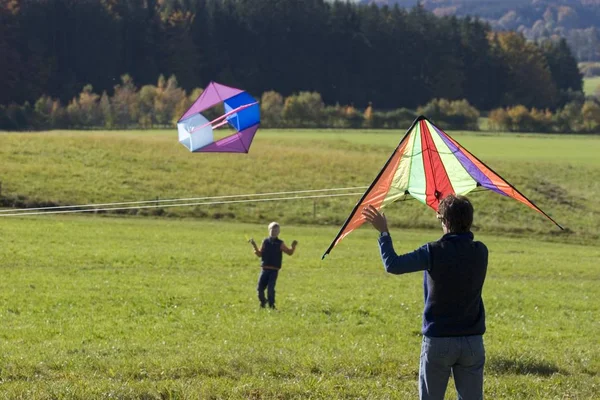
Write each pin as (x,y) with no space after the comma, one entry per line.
(267,280)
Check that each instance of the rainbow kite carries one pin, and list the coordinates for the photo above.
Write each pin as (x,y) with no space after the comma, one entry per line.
(429,165)
(242,113)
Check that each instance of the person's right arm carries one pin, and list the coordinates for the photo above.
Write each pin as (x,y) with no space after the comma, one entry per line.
(418,260)
(257,252)
(393,263)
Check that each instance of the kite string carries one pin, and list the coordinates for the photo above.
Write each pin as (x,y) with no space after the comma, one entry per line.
(181,205)
(183,199)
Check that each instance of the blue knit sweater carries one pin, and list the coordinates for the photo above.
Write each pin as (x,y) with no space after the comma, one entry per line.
(454,272)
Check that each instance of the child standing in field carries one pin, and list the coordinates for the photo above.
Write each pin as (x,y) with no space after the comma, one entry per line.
(271,254)
(454,318)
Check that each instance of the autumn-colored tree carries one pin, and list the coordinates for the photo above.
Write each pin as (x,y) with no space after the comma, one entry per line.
(529,79)
(168,96)
(146,111)
(83,111)
(271,109)
(452,114)
(124,103)
(49,114)
(569,118)
(185,103)
(591,116)
(499,120)
(304,109)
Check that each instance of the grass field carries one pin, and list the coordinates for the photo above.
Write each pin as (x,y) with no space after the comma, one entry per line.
(591,85)
(559,173)
(151,308)
(100,306)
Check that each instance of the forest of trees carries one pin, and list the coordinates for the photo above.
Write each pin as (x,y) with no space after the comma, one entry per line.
(349,54)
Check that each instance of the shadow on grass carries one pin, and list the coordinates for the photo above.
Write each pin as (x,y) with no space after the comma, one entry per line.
(521,366)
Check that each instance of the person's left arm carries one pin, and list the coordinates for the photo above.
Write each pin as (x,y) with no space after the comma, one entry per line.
(287,250)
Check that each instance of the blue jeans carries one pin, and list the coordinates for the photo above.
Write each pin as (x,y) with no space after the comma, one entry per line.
(464,356)
(267,280)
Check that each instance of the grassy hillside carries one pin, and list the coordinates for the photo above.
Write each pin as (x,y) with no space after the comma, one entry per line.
(559,173)
(96,308)
(591,86)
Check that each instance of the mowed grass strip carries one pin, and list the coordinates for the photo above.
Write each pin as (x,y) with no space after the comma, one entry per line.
(591,86)
(97,307)
(560,173)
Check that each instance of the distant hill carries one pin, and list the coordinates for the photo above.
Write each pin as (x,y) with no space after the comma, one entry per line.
(575,20)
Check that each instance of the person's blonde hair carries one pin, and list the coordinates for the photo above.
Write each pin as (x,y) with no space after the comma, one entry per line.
(273,225)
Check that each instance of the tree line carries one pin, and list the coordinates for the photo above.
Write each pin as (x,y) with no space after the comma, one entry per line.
(162,104)
(350,54)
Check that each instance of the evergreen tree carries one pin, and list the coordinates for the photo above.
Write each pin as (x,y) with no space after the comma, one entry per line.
(484,74)
(11,59)
(563,68)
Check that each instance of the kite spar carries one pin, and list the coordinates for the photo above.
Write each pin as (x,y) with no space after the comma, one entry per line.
(429,165)
(242,113)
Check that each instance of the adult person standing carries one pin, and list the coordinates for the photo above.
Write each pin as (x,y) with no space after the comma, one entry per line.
(454,268)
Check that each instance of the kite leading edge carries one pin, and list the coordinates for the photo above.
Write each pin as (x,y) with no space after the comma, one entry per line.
(242,113)
(428,165)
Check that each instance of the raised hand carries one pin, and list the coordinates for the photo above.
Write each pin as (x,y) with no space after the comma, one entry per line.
(377,219)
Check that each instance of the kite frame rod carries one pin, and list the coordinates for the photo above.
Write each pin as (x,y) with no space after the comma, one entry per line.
(240,108)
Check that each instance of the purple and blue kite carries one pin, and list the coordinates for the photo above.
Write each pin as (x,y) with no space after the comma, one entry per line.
(242,113)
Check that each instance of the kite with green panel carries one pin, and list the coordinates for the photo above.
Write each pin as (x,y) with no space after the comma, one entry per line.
(429,165)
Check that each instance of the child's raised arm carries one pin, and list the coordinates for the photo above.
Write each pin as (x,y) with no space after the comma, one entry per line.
(256,250)
(287,250)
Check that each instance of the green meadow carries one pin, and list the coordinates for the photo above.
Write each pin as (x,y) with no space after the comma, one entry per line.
(560,173)
(591,85)
(161,304)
